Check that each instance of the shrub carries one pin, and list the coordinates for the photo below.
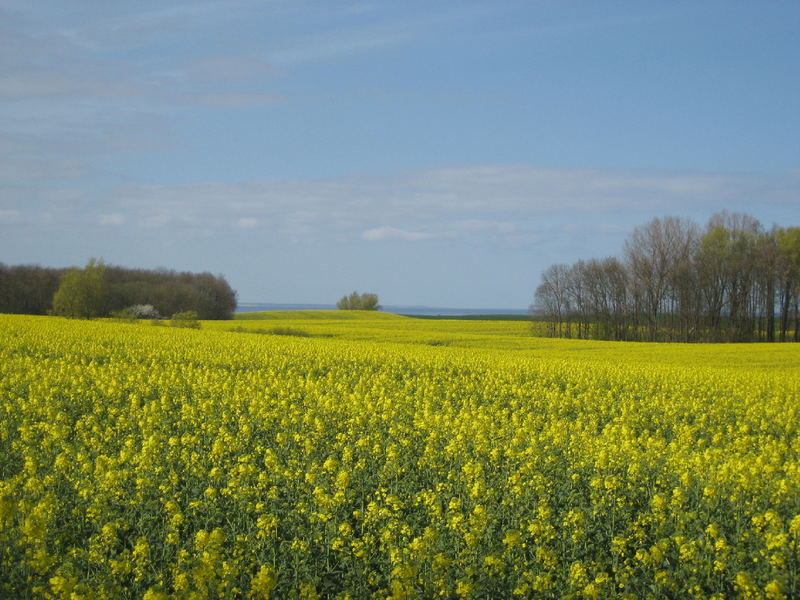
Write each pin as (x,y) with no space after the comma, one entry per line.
(356,301)
(124,315)
(274,331)
(187,318)
(137,311)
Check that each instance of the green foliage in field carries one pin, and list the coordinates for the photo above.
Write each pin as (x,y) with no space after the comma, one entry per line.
(272,331)
(150,462)
(81,293)
(356,301)
(185,319)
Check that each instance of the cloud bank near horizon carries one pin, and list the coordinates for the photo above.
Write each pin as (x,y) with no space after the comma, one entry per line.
(496,201)
(418,237)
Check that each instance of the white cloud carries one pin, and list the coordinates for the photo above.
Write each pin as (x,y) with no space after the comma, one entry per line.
(463,228)
(226,68)
(235,99)
(157,221)
(371,36)
(9,216)
(479,225)
(380,234)
(247,223)
(333,46)
(493,203)
(114,219)
(118,26)
(16,170)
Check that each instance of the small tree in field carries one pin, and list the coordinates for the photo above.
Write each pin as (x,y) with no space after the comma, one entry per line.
(82,292)
(187,318)
(356,301)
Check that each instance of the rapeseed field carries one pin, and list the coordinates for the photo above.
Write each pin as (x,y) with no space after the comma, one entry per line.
(386,457)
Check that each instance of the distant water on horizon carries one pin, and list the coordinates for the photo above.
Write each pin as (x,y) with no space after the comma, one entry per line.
(400,310)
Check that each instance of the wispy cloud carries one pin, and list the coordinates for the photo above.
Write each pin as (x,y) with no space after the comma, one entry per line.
(226,69)
(384,233)
(20,170)
(331,46)
(502,204)
(156,221)
(116,27)
(9,216)
(115,219)
(88,89)
(370,36)
(235,99)
(450,230)
(483,226)
(247,222)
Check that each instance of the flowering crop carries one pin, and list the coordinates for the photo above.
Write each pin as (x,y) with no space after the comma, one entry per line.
(146,462)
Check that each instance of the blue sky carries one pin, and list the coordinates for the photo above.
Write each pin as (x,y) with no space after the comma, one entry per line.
(436,153)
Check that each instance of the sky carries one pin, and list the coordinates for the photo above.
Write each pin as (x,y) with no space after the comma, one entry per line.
(439,153)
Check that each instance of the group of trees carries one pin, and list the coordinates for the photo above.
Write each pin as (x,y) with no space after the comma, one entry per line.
(99,290)
(170,292)
(356,301)
(28,289)
(82,292)
(730,281)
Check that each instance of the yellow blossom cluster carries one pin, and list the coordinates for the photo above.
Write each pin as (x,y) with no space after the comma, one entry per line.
(160,463)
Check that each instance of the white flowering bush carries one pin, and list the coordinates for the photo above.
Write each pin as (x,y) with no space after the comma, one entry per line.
(143,311)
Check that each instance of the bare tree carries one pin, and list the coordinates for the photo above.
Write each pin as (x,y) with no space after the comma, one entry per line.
(652,253)
(726,262)
(727,284)
(788,269)
(767,259)
(615,288)
(552,299)
(577,295)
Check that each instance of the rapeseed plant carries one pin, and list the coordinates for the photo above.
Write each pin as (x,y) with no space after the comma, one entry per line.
(140,462)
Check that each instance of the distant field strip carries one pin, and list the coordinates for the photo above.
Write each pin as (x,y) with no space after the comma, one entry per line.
(389,457)
(515,335)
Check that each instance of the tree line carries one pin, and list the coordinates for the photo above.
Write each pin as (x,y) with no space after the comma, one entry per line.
(98,290)
(731,281)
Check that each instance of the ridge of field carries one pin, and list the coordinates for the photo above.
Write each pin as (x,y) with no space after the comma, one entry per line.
(476,317)
(171,463)
(510,335)
(366,314)
(302,315)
